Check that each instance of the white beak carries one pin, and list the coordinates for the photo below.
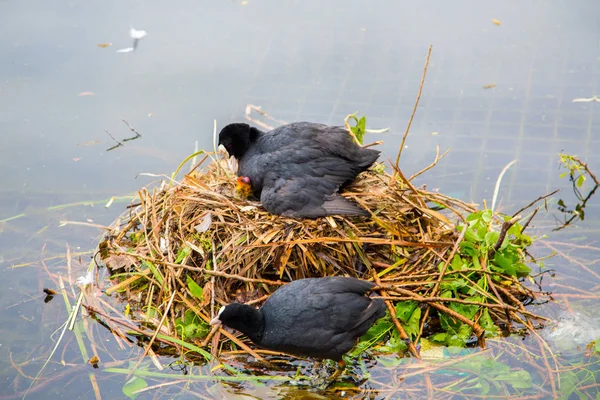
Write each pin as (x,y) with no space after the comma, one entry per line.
(216,320)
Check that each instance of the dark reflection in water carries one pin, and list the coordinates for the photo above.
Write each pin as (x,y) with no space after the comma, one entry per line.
(299,60)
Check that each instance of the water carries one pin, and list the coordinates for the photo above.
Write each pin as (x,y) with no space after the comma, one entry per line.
(204,61)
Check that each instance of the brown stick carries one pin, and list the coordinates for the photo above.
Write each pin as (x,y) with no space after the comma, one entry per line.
(433,164)
(412,116)
(401,331)
(505,227)
(535,201)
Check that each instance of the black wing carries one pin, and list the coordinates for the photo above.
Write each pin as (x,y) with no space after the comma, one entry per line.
(311,192)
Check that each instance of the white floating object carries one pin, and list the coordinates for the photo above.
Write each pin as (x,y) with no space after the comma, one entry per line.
(137,34)
(126,50)
(86,279)
(586,100)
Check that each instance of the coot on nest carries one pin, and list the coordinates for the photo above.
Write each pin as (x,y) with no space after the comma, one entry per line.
(313,317)
(296,170)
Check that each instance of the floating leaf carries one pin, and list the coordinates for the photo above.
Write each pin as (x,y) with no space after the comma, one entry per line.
(495,21)
(133,385)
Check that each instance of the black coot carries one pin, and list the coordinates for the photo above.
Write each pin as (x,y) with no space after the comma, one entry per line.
(313,317)
(296,170)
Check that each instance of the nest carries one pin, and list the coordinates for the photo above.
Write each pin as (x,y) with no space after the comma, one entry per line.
(196,246)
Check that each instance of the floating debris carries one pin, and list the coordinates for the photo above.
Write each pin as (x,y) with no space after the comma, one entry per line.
(136,36)
(86,279)
(490,86)
(495,21)
(586,99)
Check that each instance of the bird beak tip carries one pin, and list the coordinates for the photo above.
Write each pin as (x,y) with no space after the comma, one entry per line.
(215,321)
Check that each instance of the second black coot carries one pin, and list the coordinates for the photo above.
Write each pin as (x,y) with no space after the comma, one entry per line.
(313,317)
(297,170)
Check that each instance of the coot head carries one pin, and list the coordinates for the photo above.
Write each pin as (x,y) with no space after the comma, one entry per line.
(243,318)
(237,138)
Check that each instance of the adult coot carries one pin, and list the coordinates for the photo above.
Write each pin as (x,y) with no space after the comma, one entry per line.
(296,170)
(313,317)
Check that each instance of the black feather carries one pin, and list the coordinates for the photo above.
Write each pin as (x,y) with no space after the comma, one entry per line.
(297,169)
(313,317)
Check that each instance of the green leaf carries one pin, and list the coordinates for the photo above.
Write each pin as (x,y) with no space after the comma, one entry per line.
(374,334)
(461,336)
(468,248)
(466,310)
(453,285)
(522,270)
(484,385)
(491,238)
(519,379)
(395,344)
(597,346)
(155,271)
(133,385)
(487,324)
(404,309)
(414,323)
(182,254)
(504,264)
(563,175)
(580,180)
(195,289)
(474,216)
(439,337)
(457,263)
(487,216)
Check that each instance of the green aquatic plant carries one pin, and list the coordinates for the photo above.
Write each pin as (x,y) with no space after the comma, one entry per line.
(578,173)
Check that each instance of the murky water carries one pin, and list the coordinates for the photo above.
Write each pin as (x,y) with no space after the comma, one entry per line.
(63,98)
